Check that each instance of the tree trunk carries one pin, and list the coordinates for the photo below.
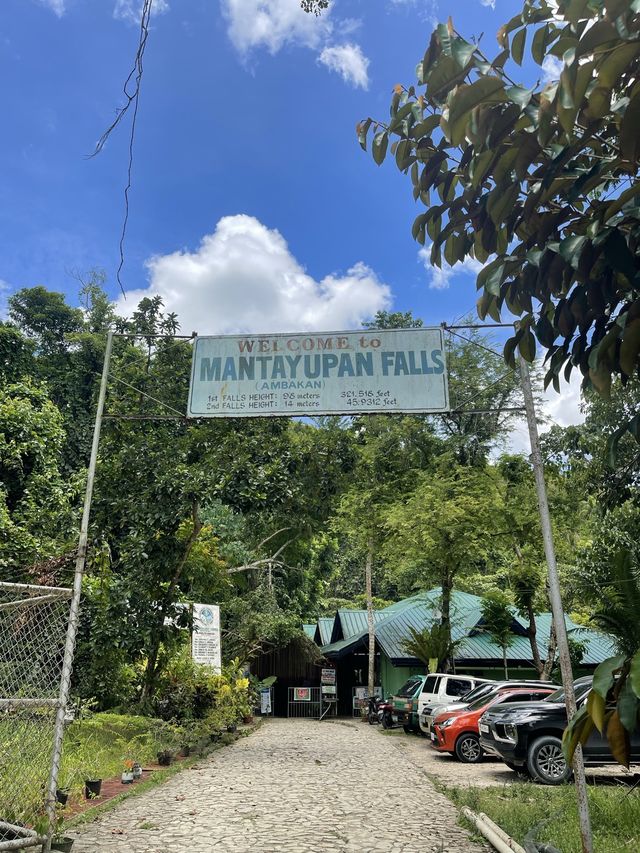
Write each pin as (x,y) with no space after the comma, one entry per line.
(533,642)
(504,661)
(370,623)
(156,637)
(445,619)
(545,675)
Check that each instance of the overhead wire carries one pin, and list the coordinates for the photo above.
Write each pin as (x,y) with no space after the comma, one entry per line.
(133,99)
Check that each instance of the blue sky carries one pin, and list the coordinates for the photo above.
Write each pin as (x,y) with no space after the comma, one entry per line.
(245,140)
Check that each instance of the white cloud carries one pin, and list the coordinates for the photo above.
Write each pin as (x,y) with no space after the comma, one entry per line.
(349,61)
(490,3)
(561,408)
(273,23)
(56,6)
(243,278)
(131,10)
(439,277)
(552,68)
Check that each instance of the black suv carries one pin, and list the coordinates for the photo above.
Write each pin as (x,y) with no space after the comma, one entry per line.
(528,737)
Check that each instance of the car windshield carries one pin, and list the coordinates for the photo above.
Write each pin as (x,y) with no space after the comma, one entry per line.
(579,689)
(410,687)
(482,701)
(477,692)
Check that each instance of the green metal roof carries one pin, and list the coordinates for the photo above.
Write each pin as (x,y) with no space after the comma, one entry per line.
(324,630)
(421,611)
(310,630)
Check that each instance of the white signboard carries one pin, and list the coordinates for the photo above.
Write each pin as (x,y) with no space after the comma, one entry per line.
(373,370)
(205,640)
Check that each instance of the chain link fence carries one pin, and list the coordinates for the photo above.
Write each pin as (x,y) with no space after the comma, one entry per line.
(33,626)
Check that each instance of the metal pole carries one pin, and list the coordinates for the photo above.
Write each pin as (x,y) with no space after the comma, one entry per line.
(370,623)
(72,626)
(556,603)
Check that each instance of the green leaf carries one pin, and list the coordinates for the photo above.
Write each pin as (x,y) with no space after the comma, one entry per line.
(500,202)
(466,98)
(517,45)
(628,706)
(603,675)
(571,248)
(519,95)
(539,44)
(425,127)
(634,673)
(618,739)
(379,149)
(363,129)
(630,347)
(527,346)
(596,709)
(444,76)
(462,52)
(629,135)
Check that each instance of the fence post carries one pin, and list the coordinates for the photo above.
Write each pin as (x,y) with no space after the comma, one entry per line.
(72,626)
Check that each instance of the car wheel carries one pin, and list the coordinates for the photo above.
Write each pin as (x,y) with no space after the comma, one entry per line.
(546,762)
(468,748)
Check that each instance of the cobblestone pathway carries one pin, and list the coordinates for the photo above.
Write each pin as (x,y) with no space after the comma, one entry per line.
(294,786)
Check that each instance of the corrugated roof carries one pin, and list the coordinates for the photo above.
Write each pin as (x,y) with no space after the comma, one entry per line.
(310,630)
(325,627)
(349,623)
(421,611)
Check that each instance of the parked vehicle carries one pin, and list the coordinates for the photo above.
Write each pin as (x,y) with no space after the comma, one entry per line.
(387,715)
(457,731)
(374,714)
(528,738)
(429,712)
(421,690)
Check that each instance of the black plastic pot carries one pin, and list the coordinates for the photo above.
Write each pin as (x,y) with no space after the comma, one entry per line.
(62,795)
(92,788)
(64,844)
(164,758)
(186,749)
(232,729)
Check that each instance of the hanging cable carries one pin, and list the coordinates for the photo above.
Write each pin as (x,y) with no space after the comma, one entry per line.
(132,100)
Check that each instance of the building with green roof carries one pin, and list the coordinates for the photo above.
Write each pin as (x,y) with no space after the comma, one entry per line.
(344,642)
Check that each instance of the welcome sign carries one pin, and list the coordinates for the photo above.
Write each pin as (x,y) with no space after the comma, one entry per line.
(323,373)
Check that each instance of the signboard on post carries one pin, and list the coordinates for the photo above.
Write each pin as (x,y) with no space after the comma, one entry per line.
(205,640)
(328,683)
(322,373)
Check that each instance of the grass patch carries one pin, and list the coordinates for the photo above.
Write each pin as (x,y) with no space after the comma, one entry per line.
(615,814)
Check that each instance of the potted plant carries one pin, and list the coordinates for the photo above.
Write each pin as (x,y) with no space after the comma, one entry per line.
(127,773)
(65,783)
(60,841)
(165,757)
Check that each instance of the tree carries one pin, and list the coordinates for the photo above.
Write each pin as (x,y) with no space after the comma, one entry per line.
(36,502)
(538,183)
(431,644)
(444,527)
(497,622)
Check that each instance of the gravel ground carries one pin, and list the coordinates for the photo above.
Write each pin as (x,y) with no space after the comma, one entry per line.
(298,786)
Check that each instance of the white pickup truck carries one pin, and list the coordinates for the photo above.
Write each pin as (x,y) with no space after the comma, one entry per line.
(446,692)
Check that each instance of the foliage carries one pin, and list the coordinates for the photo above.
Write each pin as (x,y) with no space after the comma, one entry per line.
(549,814)
(31,437)
(618,604)
(613,708)
(433,643)
(537,183)
(497,621)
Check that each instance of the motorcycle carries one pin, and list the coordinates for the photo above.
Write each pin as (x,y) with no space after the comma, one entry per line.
(381,711)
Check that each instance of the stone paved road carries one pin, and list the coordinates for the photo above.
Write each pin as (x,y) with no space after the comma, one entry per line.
(294,786)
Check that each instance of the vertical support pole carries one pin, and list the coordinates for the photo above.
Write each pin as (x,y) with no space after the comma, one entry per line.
(72,625)
(370,623)
(556,603)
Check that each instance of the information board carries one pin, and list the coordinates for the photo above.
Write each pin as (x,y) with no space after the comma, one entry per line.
(330,373)
(205,640)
